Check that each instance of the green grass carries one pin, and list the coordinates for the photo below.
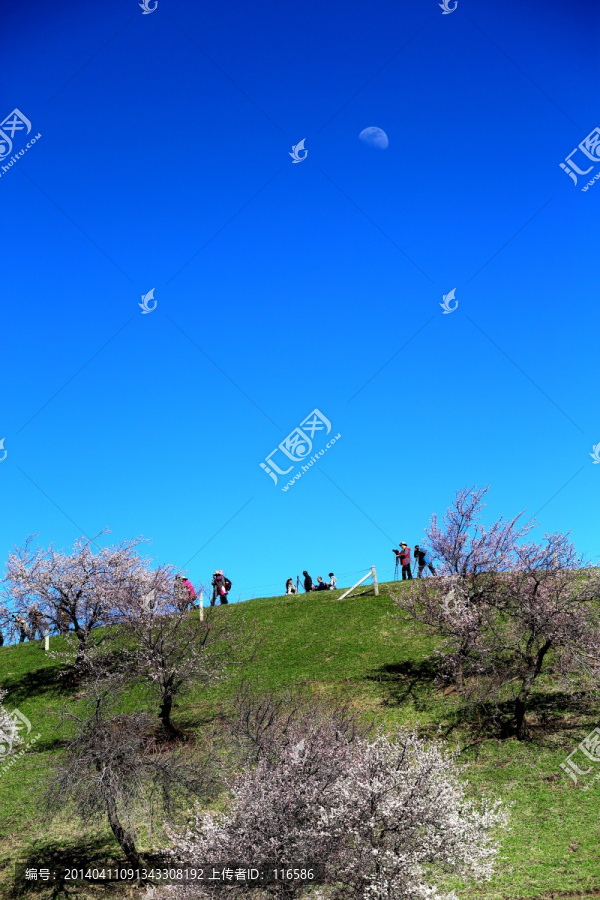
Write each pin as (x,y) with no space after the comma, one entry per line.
(361,650)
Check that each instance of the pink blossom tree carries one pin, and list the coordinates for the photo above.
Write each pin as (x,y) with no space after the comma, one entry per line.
(457,605)
(546,625)
(375,817)
(508,611)
(465,546)
(84,588)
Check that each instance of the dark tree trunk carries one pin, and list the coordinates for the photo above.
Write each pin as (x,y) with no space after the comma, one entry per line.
(525,692)
(164,715)
(123,837)
(82,646)
(521,720)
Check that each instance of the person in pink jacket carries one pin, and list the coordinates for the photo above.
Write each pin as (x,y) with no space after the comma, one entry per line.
(187,584)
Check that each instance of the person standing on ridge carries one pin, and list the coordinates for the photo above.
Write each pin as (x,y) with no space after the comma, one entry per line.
(333,582)
(191,591)
(308,584)
(218,584)
(405,560)
(422,560)
(179,593)
(23,627)
(36,623)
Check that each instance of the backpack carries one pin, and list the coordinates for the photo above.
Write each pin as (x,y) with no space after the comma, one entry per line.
(227,584)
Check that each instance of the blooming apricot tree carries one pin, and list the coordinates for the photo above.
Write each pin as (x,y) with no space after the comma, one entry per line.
(84,588)
(379,817)
(508,610)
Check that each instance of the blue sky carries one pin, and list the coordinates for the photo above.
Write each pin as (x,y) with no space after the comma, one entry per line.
(282,288)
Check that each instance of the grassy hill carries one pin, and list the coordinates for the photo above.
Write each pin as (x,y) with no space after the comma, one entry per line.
(362,650)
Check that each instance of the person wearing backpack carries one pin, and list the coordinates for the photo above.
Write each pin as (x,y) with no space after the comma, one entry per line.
(422,560)
(226,587)
(405,560)
(221,587)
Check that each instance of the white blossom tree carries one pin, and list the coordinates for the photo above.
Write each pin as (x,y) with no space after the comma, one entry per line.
(375,817)
(83,588)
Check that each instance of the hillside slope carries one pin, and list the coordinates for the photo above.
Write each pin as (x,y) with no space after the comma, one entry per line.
(362,650)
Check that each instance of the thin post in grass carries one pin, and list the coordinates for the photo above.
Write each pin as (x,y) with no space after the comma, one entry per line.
(201,606)
(47,639)
(372,573)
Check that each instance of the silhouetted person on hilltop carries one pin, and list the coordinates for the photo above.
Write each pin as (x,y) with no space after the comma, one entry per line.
(179,593)
(308,582)
(422,561)
(321,585)
(23,627)
(290,587)
(36,623)
(333,582)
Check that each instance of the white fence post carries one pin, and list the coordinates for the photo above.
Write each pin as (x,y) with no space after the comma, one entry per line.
(47,639)
(370,574)
(201,606)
